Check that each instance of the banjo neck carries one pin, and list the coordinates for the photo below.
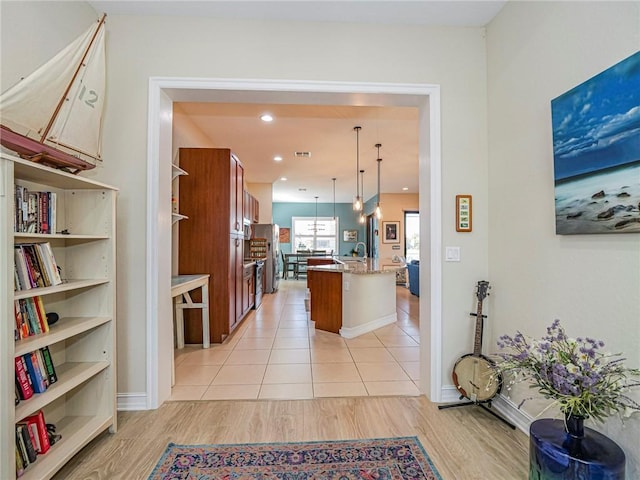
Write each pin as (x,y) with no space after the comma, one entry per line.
(481,294)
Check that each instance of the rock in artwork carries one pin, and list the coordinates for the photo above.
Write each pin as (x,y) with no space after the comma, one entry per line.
(596,150)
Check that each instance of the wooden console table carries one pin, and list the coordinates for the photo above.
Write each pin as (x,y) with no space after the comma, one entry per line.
(181,285)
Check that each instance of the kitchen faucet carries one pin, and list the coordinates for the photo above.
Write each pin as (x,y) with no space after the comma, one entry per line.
(364,249)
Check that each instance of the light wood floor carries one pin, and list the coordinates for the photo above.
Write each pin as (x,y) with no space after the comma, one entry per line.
(463,443)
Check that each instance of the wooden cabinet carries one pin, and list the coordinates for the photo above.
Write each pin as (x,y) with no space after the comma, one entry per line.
(236,195)
(326,299)
(82,403)
(251,209)
(211,240)
(248,288)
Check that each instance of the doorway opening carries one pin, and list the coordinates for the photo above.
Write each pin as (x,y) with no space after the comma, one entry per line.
(411,236)
(163,92)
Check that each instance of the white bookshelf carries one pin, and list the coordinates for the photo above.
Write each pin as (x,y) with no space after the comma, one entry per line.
(82,403)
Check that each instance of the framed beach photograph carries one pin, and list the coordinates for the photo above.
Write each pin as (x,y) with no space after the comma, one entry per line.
(350,235)
(595,153)
(463,213)
(391,232)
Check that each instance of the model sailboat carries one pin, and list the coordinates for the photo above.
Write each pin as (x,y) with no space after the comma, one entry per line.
(54,116)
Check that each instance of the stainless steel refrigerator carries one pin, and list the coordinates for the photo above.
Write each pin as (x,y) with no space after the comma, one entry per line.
(271,265)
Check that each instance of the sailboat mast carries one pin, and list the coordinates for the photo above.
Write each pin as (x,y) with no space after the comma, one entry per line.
(73,79)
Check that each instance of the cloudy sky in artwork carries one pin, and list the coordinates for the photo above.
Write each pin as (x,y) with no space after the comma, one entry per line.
(596,125)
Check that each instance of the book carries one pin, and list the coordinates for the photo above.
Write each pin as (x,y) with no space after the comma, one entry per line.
(33,434)
(24,385)
(49,366)
(21,446)
(50,263)
(42,367)
(19,463)
(35,372)
(21,268)
(37,419)
(42,315)
(26,438)
(32,316)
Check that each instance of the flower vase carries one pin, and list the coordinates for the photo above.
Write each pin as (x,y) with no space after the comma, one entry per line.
(566,450)
(574,425)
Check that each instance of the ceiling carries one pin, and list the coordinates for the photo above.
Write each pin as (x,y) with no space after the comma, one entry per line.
(326,131)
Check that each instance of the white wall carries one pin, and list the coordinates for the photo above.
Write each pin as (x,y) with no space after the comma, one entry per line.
(537,51)
(263,192)
(142,47)
(393,207)
(201,47)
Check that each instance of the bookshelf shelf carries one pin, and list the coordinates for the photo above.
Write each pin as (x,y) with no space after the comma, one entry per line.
(82,342)
(75,431)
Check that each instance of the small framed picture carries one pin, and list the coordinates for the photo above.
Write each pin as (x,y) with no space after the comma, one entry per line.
(463,213)
(391,232)
(350,235)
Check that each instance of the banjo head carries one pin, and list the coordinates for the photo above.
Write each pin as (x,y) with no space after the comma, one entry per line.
(476,378)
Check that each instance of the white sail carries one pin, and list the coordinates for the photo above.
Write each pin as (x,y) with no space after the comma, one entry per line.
(29,106)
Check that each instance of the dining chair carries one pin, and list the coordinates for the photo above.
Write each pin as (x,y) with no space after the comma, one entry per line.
(288,265)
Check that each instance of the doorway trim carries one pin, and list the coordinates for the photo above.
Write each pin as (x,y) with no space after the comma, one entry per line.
(163,91)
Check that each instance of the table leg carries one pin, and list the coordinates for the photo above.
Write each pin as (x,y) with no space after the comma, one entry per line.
(179,323)
(205,316)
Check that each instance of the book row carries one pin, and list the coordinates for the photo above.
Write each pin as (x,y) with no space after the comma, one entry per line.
(35,211)
(35,372)
(33,437)
(31,318)
(35,266)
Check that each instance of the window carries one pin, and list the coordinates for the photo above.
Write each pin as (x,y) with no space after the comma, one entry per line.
(310,233)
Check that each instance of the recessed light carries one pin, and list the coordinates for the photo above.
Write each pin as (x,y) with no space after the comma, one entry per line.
(405,188)
(284,179)
(266,117)
(277,158)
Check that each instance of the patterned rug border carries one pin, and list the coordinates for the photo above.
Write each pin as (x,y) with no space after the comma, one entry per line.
(414,439)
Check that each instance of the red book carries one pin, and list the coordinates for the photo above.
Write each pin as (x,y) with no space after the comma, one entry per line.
(26,391)
(43,436)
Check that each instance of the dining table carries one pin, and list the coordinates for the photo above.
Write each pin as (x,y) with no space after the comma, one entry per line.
(299,261)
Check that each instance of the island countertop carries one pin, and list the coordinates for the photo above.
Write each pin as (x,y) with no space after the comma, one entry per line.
(361,267)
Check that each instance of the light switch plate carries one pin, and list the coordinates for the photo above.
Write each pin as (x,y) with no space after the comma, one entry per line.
(452,254)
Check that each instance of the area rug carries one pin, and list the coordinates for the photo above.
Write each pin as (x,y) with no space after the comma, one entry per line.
(401,458)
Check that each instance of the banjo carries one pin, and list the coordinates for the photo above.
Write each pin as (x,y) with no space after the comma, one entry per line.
(475,375)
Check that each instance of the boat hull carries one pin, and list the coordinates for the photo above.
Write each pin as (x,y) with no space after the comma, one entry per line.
(31,149)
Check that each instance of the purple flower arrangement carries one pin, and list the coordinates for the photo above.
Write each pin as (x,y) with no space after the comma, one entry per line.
(575,373)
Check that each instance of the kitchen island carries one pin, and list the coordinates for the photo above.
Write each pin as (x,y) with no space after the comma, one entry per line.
(353,296)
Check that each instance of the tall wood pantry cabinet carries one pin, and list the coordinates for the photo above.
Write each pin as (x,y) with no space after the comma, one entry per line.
(211,239)
(82,343)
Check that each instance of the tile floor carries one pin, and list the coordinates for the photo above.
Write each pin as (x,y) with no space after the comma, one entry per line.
(277,354)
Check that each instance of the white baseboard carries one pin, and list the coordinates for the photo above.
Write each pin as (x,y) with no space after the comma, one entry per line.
(511,412)
(132,401)
(352,332)
(501,404)
(449,394)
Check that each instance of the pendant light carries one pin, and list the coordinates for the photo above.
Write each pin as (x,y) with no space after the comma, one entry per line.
(315,221)
(379,160)
(334,197)
(362,218)
(357,202)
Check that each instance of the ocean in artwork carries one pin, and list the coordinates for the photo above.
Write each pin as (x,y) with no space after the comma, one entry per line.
(603,202)
(596,151)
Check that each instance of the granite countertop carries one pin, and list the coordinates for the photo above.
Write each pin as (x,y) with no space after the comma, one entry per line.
(361,266)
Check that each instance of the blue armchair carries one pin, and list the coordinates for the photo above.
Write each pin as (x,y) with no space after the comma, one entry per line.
(413,269)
